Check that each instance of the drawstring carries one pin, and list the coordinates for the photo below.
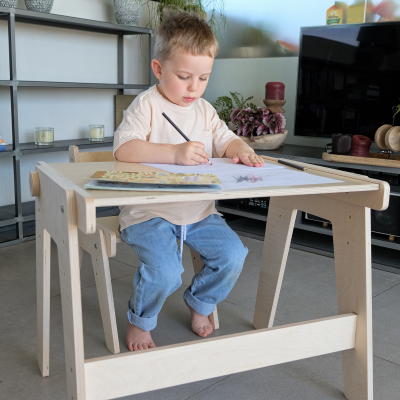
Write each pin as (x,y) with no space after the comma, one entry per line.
(182,238)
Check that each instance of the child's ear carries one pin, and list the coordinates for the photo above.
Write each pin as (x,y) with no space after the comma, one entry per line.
(156,66)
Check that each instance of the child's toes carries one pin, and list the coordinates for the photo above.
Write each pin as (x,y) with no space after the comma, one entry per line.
(144,345)
(152,345)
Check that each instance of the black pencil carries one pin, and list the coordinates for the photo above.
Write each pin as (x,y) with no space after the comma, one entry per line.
(292,165)
(183,135)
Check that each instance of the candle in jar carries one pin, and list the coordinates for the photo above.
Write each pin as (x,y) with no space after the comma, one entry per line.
(96,133)
(44,136)
(274,91)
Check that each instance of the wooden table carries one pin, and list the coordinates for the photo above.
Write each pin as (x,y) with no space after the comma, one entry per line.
(63,207)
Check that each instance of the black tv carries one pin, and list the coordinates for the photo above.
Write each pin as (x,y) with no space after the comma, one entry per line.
(348,79)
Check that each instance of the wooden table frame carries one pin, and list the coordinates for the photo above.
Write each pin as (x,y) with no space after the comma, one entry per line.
(63,207)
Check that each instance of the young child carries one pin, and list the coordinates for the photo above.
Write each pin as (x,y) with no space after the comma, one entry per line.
(184,54)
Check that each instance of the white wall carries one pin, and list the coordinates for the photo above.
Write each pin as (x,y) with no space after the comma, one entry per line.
(248,76)
(54,54)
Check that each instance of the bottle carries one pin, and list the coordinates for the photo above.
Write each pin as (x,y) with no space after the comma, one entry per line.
(334,15)
(356,12)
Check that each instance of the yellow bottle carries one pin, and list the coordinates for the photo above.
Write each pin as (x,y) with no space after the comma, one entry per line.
(334,15)
(356,13)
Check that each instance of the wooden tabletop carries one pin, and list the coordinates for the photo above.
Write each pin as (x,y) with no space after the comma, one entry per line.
(79,172)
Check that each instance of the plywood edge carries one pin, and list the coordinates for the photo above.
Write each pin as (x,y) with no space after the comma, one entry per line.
(361,160)
(86,207)
(149,198)
(131,373)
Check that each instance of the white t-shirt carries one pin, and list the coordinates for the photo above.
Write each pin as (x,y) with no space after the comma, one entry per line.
(199,122)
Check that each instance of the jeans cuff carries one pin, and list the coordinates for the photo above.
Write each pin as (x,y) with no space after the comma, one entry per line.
(197,305)
(147,324)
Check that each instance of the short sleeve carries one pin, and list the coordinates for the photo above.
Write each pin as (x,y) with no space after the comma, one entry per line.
(135,125)
(222,135)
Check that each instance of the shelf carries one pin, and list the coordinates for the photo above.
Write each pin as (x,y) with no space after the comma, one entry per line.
(75,85)
(313,155)
(61,21)
(59,145)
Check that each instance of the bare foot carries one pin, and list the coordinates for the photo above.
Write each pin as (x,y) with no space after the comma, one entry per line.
(138,339)
(201,325)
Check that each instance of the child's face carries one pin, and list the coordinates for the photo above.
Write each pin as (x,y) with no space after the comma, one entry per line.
(183,77)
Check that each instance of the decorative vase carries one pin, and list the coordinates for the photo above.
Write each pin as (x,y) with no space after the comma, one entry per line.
(266,142)
(43,6)
(8,3)
(128,12)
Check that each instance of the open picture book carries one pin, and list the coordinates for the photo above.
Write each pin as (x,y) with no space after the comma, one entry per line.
(159,181)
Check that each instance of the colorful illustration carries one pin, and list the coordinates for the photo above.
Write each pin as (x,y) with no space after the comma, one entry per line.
(156,178)
(149,181)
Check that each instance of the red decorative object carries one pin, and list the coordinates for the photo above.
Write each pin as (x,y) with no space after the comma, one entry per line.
(360,146)
(274,91)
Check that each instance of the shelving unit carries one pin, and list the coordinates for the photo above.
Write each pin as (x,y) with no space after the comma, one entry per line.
(311,155)
(21,217)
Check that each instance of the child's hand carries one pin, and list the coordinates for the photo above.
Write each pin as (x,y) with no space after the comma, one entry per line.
(248,158)
(190,153)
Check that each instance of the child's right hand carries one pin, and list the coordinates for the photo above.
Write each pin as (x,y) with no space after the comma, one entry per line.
(190,153)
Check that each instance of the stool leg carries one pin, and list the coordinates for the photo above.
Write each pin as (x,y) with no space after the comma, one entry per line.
(95,245)
(43,249)
(197,266)
(278,234)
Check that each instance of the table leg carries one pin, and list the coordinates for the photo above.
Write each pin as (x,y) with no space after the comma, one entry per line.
(70,284)
(352,244)
(351,224)
(278,234)
(43,248)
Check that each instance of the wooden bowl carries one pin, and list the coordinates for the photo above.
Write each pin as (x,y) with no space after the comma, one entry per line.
(266,142)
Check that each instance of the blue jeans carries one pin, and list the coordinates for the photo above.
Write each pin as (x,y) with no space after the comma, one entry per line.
(160,270)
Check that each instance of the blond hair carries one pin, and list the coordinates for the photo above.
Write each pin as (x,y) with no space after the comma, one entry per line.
(186,31)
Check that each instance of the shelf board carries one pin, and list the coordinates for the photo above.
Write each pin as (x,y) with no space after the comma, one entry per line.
(75,85)
(61,21)
(59,145)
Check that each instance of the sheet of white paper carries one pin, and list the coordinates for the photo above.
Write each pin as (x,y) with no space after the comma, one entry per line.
(218,165)
(280,177)
(239,176)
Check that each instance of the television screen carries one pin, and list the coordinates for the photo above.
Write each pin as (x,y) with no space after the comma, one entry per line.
(348,79)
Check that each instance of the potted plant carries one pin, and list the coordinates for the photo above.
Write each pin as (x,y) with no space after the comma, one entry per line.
(214,8)
(225,106)
(259,127)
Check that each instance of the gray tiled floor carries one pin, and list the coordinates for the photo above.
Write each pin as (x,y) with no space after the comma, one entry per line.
(308,292)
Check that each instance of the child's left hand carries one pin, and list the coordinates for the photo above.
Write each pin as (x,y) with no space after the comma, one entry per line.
(248,158)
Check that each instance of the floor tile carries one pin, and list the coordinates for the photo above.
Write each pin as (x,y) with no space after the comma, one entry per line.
(386,325)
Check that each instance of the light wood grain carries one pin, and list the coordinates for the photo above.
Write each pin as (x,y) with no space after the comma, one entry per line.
(278,234)
(125,374)
(57,212)
(75,156)
(43,267)
(77,173)
(34,184)
(392,138)
(379,162)
(197,266)
(95,245)
(380,134)
(352,244)
(84,203)
(109,225)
